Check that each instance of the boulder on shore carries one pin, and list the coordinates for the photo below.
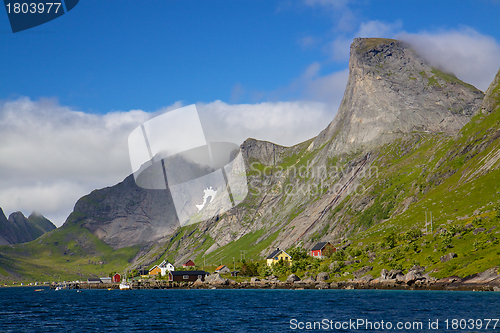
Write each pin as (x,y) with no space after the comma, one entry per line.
(292,278)
(322,285)
(198,283)
(322,276)
(216,279)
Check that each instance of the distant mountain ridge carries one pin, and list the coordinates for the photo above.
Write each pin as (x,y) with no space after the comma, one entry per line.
(19,229)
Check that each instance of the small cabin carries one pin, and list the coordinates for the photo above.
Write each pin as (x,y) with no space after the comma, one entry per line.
(106,280)
(189,263)
(278,255)
(222,269)
(117,277)
(319,249)
(186,276)
(93,280)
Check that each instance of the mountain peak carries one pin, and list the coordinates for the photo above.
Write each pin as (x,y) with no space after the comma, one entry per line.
(19,229)
(392,91)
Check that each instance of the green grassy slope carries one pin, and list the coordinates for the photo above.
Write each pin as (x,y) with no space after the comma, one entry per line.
(64,254)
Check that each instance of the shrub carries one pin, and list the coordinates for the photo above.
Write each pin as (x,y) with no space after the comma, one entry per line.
(339,255)
(355,251)
(249,269)
(298,253)
(391,239)
(265,271)
(323,267)
(412,234)
(300,265)
(280,268)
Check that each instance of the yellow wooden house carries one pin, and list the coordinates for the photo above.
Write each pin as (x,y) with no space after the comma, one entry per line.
(155,270)
(277,255)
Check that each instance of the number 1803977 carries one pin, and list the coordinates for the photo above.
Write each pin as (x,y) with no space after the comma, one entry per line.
(471,324)
(33,8)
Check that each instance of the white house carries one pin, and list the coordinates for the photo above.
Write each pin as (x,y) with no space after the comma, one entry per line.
(166,267)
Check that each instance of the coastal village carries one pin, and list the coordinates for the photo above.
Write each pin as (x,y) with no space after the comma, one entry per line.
(316,268)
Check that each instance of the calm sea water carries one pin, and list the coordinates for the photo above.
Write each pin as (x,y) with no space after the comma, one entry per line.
(24,310)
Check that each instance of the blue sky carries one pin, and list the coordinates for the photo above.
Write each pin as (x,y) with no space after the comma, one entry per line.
(122,55)
(72,90)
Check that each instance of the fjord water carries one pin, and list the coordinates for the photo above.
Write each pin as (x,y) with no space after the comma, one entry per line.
(24,310)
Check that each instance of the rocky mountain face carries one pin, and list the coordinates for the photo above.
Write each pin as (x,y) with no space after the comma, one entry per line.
(125,214)
(19,229)
(392,91)
(336,185)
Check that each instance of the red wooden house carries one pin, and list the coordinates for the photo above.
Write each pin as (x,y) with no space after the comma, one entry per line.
(117,277)
(189,263)
(318,249)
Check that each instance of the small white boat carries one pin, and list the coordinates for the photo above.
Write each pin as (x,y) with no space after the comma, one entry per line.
(58,288)
(124,286)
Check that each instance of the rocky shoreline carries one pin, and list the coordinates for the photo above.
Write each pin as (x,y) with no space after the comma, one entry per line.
(488,280)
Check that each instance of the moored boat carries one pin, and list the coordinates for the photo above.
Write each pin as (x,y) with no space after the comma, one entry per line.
(124,286)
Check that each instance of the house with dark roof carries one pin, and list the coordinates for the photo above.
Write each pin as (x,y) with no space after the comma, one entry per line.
(186,276)
(318,249)
(278,255)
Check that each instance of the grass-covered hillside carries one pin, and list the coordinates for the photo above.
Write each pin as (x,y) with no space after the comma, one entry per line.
(68,253)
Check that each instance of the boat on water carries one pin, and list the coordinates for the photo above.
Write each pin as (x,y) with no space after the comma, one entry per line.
(124,286)
(58,288)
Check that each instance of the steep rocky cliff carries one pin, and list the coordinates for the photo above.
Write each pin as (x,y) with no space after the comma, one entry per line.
(19,229)
(392,91)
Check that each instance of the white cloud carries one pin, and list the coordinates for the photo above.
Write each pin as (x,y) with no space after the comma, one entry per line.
(327,88)
(372,29)
(471,56)
(52,155)
(284,123)
(342,14)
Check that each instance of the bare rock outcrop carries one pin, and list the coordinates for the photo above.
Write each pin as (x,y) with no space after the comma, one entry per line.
(392,90)
(362,271)
(216,280)
(448,257)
